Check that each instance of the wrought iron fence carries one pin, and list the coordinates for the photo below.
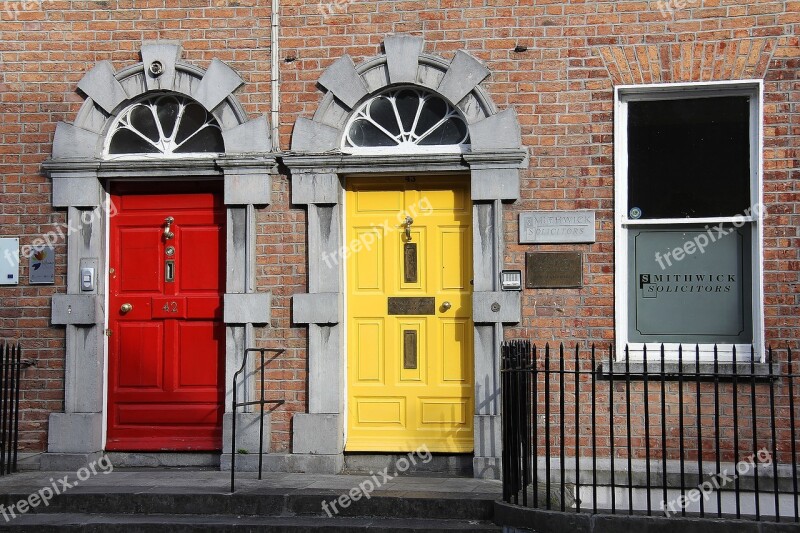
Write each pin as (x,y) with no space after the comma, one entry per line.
(696,435)
(10,366)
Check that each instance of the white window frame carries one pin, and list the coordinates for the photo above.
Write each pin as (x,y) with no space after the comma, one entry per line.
(627,93)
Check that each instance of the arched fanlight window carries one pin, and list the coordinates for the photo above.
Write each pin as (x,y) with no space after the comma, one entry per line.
(406,120)
(165,126)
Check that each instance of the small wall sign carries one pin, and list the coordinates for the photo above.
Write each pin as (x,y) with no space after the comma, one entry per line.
(540,227)
(42,266)
(553,270)
(9,260)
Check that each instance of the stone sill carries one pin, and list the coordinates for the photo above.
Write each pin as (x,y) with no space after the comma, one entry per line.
(688,371)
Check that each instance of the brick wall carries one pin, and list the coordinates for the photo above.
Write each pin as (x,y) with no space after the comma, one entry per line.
(561,88)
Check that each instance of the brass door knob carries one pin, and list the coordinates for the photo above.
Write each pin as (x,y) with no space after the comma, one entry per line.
(125,308)
(446,306)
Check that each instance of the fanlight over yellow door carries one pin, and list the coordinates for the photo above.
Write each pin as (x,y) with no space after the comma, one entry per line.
(409,325)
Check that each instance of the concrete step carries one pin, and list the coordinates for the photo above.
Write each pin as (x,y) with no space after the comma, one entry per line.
(454,465)
(267,503)
(126,523)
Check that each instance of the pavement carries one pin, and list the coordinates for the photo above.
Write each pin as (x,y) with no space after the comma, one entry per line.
(194,481)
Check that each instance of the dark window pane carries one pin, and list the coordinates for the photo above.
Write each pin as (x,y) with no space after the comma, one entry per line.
(194,116)
(451,132)
(167,113)
(689,157)
(141,118)
(407,105)
(126,142)
(207,140)
(365,133)
(433,110)
(381,111)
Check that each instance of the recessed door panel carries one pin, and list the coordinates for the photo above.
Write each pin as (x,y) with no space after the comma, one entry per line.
(409,379)
(139,349)
(167,344)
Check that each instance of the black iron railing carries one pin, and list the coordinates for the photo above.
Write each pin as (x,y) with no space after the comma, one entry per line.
(261,402)
(675,436)
(10,366)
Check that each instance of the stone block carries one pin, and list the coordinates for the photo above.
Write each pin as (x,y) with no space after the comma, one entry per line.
(167,54)
(77,191)
(217,84)
(75,433)
(253,308)
(344,82)
(314,137)
(495,184)
(487,467)
(464,74)
(73,142)
(488,437)
(497,132)
(75,309)
(247,432)
(251,137)
(325,394)
(315,188)
(497,307)
(317,434)
(284,462)
(402,57)
(102,87)
(68,462)
(317,308)
(247,188)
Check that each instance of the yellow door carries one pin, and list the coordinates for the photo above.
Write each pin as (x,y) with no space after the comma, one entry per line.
(409,325)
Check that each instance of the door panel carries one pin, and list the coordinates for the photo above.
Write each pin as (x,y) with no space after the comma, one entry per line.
(166,352)
(409,365)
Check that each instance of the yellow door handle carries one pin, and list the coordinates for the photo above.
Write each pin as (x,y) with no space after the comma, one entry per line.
(446,306)
(125,308)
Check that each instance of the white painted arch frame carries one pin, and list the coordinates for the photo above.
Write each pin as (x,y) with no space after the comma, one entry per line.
(79,176)
(318,168)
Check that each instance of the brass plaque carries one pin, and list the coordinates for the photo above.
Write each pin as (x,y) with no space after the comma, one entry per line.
(553,270)
(412,306)
(410,262)
(410,350)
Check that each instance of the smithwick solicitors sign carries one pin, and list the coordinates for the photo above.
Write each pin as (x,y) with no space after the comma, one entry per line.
(704,297)
(541,227)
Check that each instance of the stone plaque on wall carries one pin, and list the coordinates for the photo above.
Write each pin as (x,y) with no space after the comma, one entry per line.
(553,270)
(556,227)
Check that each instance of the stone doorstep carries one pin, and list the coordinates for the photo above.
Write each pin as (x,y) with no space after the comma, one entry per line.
(179,524)
(202,492)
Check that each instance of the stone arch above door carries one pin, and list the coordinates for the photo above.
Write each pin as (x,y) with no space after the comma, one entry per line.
(108,92)
(318,164)
(404,63)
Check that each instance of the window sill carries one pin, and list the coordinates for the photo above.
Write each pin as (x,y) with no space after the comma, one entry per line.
(674,371)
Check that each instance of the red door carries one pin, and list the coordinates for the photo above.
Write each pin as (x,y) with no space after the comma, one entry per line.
(167,344)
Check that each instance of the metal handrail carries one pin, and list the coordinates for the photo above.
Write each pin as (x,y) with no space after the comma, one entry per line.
(260,402)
